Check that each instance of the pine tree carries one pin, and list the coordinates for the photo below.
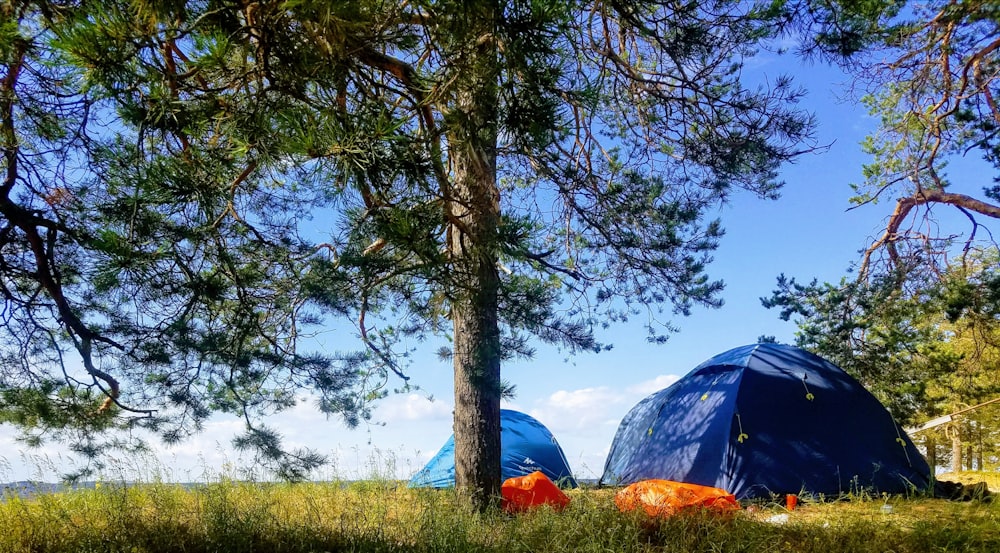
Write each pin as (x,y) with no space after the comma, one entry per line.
(494,172)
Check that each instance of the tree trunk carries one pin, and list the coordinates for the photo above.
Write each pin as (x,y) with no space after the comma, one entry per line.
(931,445)
(474,216)
(476,335)
(979,450)
(956,450)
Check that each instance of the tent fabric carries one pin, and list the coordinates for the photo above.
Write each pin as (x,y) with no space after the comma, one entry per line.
(526,446)
(664,498)
(766,419)
(522,493)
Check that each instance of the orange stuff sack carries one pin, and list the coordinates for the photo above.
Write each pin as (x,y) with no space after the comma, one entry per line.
(663,498)
(521,493)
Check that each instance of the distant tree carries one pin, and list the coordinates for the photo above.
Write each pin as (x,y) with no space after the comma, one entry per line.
(924,351)
(516,170)
(875,332)
(970,297)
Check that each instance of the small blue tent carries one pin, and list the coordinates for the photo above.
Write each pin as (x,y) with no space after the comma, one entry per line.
(766,419)
(525,446)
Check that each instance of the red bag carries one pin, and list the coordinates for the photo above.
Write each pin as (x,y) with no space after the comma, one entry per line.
(524,492)
(663,498)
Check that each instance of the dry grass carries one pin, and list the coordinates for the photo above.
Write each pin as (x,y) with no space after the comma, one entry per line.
(376,516)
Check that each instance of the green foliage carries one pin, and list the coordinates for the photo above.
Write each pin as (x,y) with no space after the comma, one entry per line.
(840,29)
(923,351)
(870,331)
(927,73)
(194,186)
(178,297)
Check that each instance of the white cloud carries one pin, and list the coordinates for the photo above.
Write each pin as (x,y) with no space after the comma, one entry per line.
(655,385)
(578,410)
(197,458)
(411,407)
(584,421)
(585,408)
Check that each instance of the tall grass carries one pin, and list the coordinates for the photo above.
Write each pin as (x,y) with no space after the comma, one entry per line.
(381,515)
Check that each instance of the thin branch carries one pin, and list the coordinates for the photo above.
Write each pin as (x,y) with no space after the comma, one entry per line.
(903,208)
(386,359)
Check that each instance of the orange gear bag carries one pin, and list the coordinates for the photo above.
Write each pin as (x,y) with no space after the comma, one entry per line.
(663,498)
(521,493)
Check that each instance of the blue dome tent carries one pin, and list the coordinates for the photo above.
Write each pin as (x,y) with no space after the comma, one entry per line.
(525,445)
(766,419)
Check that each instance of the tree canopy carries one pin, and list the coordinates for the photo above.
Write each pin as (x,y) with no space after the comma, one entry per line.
(193,187)
(929,73)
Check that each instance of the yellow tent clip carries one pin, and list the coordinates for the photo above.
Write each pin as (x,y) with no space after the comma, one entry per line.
(705,395)
(809,395)
(742,435)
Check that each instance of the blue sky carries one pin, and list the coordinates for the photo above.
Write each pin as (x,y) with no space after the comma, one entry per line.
(807,233)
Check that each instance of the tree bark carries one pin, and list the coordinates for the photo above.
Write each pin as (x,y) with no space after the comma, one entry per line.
(474,216)
(979,449)
(956,450)
(905,205)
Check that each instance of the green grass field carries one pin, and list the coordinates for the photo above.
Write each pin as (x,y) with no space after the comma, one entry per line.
(229,517)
